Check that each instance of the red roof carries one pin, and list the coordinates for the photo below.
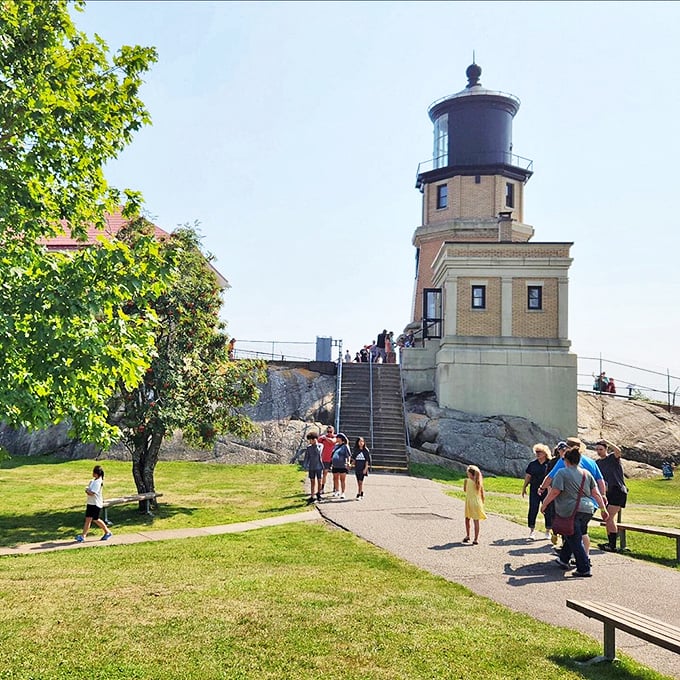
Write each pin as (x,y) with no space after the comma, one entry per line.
(114,223)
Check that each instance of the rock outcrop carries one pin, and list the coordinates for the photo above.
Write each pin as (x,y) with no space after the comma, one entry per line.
(296,399)
(646,432)
(496,444)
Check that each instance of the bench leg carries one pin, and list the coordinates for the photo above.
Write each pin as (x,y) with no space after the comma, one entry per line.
(609,648)
(622,538)
(609,642)
(106,517)
(677,549)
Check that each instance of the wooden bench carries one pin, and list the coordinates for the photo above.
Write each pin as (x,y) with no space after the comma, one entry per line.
(669,532)
(614,616)
(134,498)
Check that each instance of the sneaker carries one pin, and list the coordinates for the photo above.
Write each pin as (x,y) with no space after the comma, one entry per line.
(562,565)
(573,563)
(310,500)
(80,538)
(466,539)
(532,535)
(106,536)
(548,535)
(553,538)
(342,495)
(606,547)
(318,497)
(583,574)
(358,496)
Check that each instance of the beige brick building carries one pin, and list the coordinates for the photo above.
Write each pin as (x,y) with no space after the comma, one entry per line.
(490,304)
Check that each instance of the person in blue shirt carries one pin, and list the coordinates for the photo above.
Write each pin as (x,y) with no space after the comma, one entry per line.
(587,464)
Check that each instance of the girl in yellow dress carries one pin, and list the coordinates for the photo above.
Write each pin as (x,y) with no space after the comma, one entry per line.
(474,501)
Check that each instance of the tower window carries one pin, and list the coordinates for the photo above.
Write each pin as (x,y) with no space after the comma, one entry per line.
(442,196)
(478,179)
(534,297)
(509,195)
(478,297)
(440,155)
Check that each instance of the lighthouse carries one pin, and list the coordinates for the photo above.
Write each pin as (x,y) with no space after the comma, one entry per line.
(490,304)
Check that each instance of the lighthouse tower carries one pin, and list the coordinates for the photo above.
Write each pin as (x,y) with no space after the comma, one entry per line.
(490,306)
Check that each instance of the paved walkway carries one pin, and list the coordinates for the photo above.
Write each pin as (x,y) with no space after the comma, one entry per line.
(413,519)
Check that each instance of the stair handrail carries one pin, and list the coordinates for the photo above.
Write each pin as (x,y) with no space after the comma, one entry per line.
(338,393)
(403,407)
(370,398)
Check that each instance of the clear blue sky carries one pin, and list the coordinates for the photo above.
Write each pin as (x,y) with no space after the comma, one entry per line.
(292,132)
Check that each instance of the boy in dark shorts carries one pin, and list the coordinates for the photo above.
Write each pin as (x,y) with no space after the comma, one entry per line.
(95,502)
(314,465)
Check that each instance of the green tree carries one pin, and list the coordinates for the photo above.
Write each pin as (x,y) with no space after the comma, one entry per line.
(191,384)
(66,108)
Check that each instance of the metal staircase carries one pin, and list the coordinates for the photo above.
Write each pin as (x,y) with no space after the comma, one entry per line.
(371,406)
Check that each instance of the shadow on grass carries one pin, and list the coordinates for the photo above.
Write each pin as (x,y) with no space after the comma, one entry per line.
(598,671)
(22,461)
(298,505)
(39,527)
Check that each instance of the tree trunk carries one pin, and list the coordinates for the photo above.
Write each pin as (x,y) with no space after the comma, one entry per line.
(144,459)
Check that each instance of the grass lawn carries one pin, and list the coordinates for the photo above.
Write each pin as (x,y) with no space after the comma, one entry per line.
(295,601)
(43,498)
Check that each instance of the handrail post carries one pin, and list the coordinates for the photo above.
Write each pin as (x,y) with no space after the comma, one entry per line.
(403,406)
(370,395)
(338,391)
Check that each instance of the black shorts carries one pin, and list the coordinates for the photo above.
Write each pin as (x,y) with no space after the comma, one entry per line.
(92,511)
(315,474)
(327,465)
(340,471)
(616,496)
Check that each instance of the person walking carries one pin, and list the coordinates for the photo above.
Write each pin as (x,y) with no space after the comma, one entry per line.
(534,475)
(340,463)
(314,465)
(361,460)
(328,442)
(587,464)
(474,501)
(617,491)
(95,502)
(571,490)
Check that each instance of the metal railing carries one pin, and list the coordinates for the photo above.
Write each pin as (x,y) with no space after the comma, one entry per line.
(634,382)
(478,158)
(338,393)
(275,350)
(370,398)
(403,406)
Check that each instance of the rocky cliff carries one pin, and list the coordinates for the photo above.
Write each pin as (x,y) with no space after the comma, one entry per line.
(296,399)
